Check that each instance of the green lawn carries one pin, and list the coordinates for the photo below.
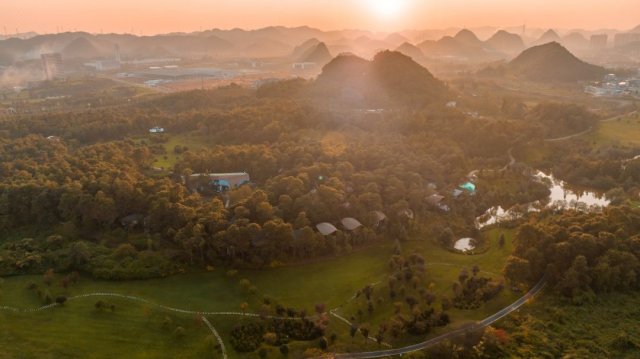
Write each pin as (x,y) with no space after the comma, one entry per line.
(135,330)
(78,330)
(193,141)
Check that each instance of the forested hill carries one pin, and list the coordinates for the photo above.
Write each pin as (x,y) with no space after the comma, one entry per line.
(552,62)
(390,77)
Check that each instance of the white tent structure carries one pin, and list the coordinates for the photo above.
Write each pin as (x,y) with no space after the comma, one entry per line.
(326,228)
(351,224)
(435,199)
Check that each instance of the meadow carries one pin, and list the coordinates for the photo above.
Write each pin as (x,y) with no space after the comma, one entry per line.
(624,131)
(139,330)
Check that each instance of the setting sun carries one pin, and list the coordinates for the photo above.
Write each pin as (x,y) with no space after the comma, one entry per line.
(387,9)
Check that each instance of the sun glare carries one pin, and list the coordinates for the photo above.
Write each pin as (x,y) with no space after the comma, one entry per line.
(387,9)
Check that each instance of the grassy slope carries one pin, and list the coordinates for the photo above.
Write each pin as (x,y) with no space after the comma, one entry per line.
(79,331)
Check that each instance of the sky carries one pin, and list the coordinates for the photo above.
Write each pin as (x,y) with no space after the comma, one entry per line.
(161,16)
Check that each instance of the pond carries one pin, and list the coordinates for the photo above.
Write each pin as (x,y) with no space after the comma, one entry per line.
(464,244)
(560,197)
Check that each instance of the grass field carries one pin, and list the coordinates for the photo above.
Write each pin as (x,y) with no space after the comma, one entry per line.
(191,140)
(134,330)
(624,131)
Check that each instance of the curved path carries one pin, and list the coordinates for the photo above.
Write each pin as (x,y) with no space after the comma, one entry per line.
(218,338)
(570,136)
(615,118)
(512,160)
(145,301)
(450,335)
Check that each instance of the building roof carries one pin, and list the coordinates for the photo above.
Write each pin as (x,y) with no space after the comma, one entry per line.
(380,216)
(434,199)
(326,228)
(468,186)
(351,224)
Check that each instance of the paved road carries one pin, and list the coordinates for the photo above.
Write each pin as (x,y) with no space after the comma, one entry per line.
(451,335)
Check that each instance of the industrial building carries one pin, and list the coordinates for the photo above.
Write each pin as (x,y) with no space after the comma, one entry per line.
(51,66)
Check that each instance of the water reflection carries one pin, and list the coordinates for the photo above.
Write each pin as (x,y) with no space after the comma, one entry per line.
(561,197)
(464,244)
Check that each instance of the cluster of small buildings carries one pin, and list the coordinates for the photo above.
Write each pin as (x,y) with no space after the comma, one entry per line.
(612,86)
(436,200)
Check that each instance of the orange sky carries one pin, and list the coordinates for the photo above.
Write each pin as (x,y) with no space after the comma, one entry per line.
(160,16)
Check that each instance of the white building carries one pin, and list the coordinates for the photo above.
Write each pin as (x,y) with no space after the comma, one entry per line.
(303,65)
(156,130)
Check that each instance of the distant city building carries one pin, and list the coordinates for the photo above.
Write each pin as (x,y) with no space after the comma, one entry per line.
(599,41)
(108,64)
(51,66)
(626,38)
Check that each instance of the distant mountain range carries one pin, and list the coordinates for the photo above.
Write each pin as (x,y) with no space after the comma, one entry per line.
(292,43)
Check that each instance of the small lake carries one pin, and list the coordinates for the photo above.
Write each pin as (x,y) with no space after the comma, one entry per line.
(464,244)
(561,197)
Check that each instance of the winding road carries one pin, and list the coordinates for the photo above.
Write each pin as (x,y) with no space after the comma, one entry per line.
(450,335)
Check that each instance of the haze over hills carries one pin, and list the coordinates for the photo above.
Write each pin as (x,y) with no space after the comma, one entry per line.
(318,54)
(549,36)
(552,62)
(301,49)
(575,41)
(410,50)
(465,44)
(506,42)
(282,42)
